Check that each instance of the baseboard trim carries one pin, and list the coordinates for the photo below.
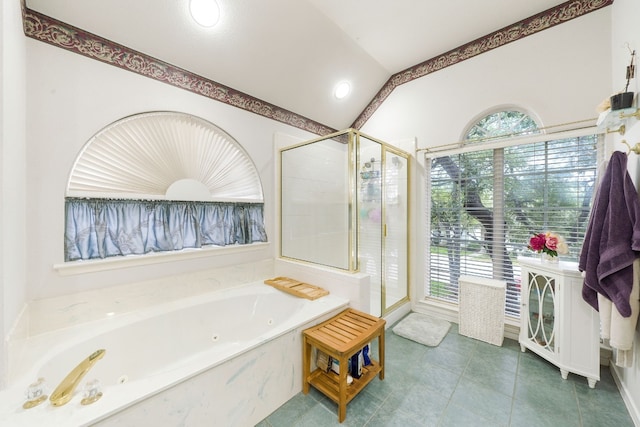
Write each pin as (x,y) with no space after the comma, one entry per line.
(626,395)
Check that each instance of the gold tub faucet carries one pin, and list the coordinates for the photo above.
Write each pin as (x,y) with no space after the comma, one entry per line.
(64,392)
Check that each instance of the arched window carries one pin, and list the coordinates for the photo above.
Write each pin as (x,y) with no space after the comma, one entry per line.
(501,124)
(486,203)
(161,181)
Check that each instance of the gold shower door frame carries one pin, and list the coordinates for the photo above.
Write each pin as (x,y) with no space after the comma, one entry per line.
(390,259)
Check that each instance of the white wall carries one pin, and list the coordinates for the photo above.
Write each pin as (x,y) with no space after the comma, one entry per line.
(560,74)
(626,30)
(69,99)
(12,170)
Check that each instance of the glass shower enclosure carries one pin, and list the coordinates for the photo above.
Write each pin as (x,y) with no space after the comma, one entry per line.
(344,204)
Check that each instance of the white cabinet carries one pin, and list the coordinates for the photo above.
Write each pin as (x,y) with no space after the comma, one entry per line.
(555,322)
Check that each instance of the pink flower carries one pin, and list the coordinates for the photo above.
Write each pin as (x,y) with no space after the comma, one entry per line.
(549,243)
(537,242)
(552,242)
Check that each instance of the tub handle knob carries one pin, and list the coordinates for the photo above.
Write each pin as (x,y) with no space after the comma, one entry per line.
(92,392)
(36,394)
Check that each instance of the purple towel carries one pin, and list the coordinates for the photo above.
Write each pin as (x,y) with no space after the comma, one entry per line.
(612,240)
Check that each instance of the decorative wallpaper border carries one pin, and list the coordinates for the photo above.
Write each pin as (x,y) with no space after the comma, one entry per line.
(49,30)
(534,24)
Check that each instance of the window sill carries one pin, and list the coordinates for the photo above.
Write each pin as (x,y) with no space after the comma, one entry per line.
(91,266)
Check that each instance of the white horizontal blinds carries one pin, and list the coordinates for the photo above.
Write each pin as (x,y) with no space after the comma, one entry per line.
(461,221)
(551,191)
(546,186)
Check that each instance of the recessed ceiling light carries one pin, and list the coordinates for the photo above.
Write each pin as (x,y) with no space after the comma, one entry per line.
(205,12)
(342,90)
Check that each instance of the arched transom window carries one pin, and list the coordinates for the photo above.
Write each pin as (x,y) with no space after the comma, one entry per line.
(501,124)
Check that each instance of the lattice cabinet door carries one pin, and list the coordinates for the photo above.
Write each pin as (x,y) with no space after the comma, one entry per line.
(555,322)
(539,307)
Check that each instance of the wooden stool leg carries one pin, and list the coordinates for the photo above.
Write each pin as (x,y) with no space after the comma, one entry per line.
(342,398)
(306,365)
(381,353)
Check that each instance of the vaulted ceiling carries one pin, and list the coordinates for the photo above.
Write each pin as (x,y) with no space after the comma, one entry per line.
(288,55)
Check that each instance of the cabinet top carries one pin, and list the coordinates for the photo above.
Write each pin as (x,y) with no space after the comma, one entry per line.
(561,267)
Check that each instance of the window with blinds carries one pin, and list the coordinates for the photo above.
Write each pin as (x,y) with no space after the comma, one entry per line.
(486,204)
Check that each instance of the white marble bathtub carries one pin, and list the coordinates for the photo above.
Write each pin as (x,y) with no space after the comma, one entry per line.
(230,356)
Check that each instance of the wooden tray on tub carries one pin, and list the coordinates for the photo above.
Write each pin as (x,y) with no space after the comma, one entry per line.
(297,288)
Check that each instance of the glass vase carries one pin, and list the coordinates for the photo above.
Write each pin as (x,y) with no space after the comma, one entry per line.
(548,259)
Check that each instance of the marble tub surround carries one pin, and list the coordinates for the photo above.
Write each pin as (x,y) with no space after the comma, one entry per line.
(193,347)
(247,389)
(56,313)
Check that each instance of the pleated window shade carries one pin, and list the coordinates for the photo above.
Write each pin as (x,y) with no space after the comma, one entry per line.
(142,156)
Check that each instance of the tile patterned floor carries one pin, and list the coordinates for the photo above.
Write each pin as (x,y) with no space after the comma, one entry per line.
(464,382)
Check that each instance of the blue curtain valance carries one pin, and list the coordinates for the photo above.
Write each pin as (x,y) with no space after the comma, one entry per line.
(100,228)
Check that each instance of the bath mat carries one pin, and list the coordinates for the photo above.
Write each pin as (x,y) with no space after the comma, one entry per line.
(423,329)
